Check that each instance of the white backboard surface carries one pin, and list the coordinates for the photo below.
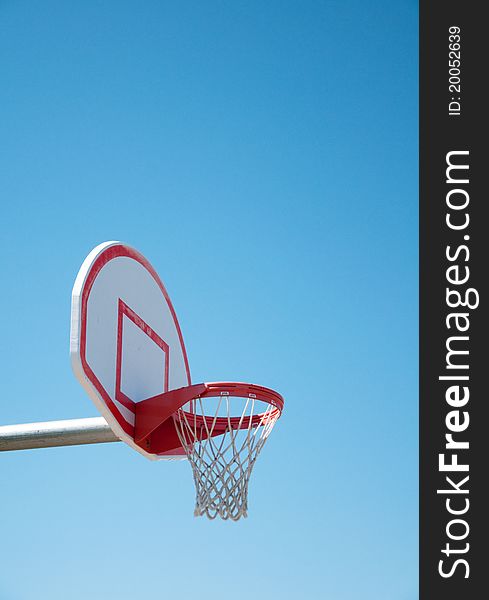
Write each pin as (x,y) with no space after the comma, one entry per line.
(125,343)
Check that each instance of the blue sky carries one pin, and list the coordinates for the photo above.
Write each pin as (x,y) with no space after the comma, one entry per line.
(263,156)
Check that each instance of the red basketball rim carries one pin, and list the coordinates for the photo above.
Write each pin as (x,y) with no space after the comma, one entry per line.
(239,390)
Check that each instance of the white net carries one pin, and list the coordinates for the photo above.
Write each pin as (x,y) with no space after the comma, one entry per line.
(222,450)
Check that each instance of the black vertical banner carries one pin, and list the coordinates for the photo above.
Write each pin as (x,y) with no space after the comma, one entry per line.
(454,336)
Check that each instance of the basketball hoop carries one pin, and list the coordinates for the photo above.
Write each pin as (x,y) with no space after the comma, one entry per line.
(221,428)
(222,444)
(128,353)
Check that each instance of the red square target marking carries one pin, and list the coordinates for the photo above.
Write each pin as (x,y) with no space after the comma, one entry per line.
(125,311)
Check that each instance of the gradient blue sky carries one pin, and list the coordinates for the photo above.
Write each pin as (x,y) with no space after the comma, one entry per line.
(263,156)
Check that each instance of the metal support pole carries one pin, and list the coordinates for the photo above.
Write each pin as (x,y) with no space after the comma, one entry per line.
(56,433)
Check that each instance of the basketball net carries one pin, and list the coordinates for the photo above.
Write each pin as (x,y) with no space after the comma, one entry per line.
(222,450)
